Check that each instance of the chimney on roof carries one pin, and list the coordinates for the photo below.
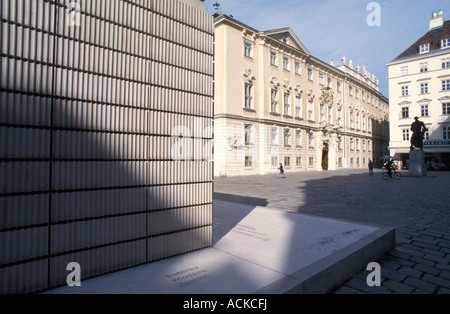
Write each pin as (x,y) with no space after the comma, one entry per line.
(437,20)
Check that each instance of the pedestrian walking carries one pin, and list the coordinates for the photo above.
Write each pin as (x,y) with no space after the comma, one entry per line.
(281,171)
(370,167)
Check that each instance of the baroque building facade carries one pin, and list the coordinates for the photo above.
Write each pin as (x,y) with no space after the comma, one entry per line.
(419,86)
(276,103)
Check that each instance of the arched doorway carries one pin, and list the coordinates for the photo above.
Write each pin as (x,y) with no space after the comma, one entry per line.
(325,152)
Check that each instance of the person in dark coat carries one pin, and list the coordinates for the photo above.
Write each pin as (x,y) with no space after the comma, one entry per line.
(281,171)
(370,165)
(388,166)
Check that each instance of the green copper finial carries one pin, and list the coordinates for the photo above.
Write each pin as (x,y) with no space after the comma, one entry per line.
(216,6)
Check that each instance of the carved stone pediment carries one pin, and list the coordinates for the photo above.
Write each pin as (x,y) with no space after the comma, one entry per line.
(274,83)
(248,76)
(287,85)
(327,98)
(311,96)
(298,90)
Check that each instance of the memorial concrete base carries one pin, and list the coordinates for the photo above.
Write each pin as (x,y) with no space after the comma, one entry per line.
(417,167)
(256,250)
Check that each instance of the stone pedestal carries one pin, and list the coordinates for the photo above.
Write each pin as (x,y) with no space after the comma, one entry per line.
(417,167)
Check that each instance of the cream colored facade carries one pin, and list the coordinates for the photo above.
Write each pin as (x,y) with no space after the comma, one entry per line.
(276,103)
(419,86)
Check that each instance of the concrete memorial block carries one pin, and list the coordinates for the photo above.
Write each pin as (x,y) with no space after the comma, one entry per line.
(256,250)
(79,88)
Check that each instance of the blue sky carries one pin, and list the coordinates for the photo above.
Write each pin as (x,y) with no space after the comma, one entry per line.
(331,29)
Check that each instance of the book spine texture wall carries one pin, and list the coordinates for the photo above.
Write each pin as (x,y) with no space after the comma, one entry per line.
(106,112)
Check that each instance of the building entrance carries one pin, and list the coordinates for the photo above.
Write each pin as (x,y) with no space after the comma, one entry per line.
(325,157)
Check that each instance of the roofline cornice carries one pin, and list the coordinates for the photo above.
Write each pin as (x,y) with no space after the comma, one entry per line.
(435,53)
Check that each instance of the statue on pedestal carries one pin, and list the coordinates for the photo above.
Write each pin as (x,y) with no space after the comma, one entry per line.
(418,128)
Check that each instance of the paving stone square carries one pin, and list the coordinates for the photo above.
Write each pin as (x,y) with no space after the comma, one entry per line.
(417,207)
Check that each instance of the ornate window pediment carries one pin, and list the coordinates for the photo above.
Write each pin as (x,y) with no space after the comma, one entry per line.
(287,85)
(248,76)
(311,96)
(274,83)
(444,99)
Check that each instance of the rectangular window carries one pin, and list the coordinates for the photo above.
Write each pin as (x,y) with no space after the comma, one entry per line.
(287,161)
(298,107)
(424,48)
(340,165)
(423,67)
(424,110)
(298,68)
(311,161)
(445,43)
(405,112)
(424,88)
(446,108)
(446,63)
(274,100)
(274,136)
(329,82)
(426,136)
(357,92)
(248,50)
(339,117)
(404,70)
(287,137)
(330,115)
(350,90)
(446,133)
(298,161)
(248,161)
(310,110)
(322,113)
(286,63)
(273,58)
(274,161)
(352,144)
(352,120)
(311,140)
(357,121)
(357,145)
(248,96)
(351,161)
(321,79)
(287,104)
(406,134)
(445,85)
(310,74)
(298,138)
(339,86)
(405,90)
(248,134)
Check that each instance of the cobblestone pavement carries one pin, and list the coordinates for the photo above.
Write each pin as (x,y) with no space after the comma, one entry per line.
(418,209)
